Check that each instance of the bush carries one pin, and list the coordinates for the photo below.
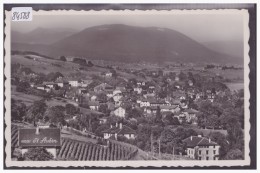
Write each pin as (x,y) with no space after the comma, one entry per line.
(22,86)
(62,58)
(38,154)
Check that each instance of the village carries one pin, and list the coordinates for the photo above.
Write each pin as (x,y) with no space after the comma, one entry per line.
(111,106)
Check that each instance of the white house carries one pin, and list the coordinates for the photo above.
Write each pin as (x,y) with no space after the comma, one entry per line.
(150,110)
(138,90)
(119,130)
(108,74)
(86,82)
(60,84)
(93,98)
(201,148)
(191,116)
(117,91)
(49,84)
(120,112)
(43,87)
(144,103)
(166,108)
(73,83)
(93,105)
(117,97)
(109,94)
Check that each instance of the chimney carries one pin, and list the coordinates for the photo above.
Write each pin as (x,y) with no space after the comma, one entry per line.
(116,124)
(37,130)
(191,138)
(111,126)
(120,125)
(209,140)
(199,136)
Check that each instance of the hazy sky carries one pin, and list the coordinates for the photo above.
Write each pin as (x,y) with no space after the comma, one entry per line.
(202,28)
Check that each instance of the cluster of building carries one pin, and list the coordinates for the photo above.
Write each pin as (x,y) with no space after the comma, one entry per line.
(143,96)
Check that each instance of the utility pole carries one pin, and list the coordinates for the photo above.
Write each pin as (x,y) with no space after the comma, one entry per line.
(172,153)
(152,143)
(159,148)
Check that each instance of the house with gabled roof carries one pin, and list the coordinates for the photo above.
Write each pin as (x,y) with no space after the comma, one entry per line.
(119,130)
(144,102)
(167,108)
(103,87)
(120,112)
(94,105)
(201,148)
(150,109)
(43,87)
(191,115)
(138,90)
(50,84)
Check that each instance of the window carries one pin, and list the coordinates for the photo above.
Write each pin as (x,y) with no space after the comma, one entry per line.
(207,158)
(214,151)
(207,152)
(199,152)
(199,158)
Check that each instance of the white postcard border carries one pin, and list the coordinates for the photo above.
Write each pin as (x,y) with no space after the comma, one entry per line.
(134,164)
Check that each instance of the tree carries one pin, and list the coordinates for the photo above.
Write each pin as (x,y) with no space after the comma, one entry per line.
(220,139)
(114,73)
(79,61)
(38,154)
(158,118)
(18,111)
(170,140)
(36,111)
(100,129)
(144,137)
(62,58)
(184,133)
(22,86)
(134,113)
(234,154)
(102,97)
(90,64)
(162,93)
(235,133)
(182,76)
(103,108)
(168,120)
(175,121)
(112,119)
(26,70)
(55,115)
(54,76)
(70,109)
(213,121)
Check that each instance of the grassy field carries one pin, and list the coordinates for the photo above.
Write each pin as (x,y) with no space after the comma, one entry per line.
(69,69)
(43,65)
(28,99)
(235,86)
(25,98)
(230,74)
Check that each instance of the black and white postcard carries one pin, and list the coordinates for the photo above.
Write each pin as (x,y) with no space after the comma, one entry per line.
(137,88)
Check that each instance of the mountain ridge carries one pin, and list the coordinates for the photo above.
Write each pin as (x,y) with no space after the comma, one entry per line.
(119,42)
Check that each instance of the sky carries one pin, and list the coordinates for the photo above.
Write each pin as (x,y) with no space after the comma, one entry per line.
(200,27)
